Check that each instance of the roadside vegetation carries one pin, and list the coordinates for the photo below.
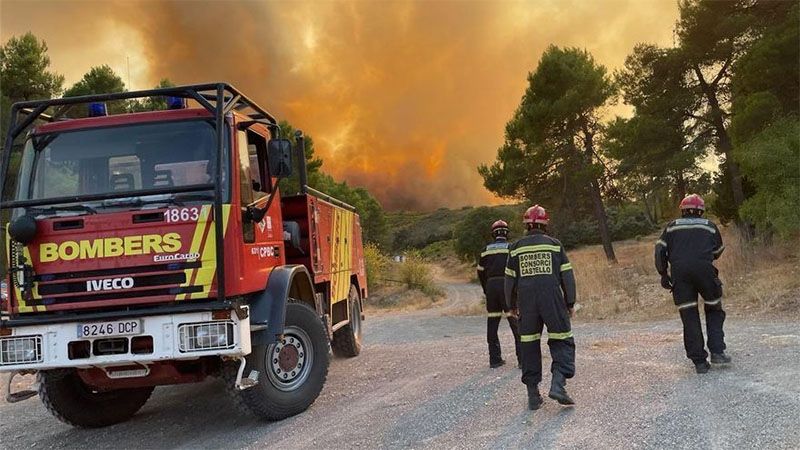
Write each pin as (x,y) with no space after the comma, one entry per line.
(758,279)
(405,284)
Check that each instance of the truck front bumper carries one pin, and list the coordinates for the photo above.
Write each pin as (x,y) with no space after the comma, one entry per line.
(174,337)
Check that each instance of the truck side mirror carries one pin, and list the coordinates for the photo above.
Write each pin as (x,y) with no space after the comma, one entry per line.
(279,158)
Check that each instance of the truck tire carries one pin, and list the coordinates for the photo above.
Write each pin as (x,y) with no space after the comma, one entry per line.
(347,340)
(71,401)
(291,372)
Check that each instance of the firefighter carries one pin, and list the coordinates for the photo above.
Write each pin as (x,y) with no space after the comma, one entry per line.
(688,247)
(491,269)
(540,289)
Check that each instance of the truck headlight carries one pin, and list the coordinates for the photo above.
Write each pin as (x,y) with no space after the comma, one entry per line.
(20,350)
(197,337)
(3,291)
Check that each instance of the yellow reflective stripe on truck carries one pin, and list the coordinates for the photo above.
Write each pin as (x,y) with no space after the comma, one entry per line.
(205,274)
(200,231)
(21,305)
(341,253)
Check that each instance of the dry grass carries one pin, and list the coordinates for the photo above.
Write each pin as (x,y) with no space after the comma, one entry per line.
(398,298)
(761,278)
(405,286)
(418,275)
(757,278)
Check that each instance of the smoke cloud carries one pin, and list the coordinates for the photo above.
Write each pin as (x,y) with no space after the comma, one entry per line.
(403,98)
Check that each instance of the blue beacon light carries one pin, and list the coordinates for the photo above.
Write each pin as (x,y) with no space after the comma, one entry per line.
(97,110)
(176,103)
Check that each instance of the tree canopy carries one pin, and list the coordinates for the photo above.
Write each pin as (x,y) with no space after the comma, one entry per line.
(766,121)
(25,74)
(718,94)
(550,154)
(99,80)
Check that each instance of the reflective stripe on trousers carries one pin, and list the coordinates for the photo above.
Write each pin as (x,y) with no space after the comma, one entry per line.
(537,336)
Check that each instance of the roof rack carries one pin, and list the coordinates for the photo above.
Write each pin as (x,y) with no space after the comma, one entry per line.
(203,94)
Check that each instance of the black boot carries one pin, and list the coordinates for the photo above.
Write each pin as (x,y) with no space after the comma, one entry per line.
(558,390)
(702,366)
(720,358)
(534,399)
(496,364)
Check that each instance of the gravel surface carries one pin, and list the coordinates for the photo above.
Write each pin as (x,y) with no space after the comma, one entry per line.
(423,381)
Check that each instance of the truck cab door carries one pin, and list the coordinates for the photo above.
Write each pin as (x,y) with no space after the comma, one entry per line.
(262,241)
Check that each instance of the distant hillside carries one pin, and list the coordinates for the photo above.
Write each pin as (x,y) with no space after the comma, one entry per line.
(414,230)
(464,232)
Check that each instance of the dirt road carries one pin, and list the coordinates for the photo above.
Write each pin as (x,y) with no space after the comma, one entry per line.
(423,382)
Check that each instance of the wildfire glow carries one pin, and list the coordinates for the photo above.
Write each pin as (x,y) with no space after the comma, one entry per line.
(404,98)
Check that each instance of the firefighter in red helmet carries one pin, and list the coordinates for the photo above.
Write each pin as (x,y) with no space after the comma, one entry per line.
(687,248)
(491,269)
(540,287)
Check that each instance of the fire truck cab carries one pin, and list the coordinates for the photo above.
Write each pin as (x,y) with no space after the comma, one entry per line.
(156,248)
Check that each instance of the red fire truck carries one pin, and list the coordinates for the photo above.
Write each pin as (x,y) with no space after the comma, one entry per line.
(156,248)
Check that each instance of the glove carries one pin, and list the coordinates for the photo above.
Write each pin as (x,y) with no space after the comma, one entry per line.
(666,282)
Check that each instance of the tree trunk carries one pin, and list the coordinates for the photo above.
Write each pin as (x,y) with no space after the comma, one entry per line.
(597,198)
(602,220)
(680,186)
(724,139)
(650,217)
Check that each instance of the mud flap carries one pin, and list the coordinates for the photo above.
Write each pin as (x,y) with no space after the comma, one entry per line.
(268,308)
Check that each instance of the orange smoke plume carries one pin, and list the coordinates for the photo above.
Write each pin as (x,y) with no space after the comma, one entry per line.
(403,98)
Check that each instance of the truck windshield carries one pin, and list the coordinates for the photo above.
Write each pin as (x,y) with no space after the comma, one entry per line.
(121,158)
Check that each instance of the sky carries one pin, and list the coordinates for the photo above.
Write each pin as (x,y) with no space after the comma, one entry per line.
(405,98)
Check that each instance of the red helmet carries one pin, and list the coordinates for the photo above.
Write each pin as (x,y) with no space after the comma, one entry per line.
(500,224)
(693,201)
(499,228)
(536,214)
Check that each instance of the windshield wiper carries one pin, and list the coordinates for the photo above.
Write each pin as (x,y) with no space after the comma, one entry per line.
(55,209)
(138,201)
(176,200)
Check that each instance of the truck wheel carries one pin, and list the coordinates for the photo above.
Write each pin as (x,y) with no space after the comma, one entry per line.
(292,371)
(347,340)
(71,401)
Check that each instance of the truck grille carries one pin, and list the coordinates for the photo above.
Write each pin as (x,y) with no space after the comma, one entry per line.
(113,284)
(138,281)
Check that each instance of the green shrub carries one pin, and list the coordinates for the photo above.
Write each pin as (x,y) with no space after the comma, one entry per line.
(437,251)
(474,231)
(625,221)
(378,265)
(415,274)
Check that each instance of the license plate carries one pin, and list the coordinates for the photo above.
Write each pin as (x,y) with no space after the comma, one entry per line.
(110,329)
